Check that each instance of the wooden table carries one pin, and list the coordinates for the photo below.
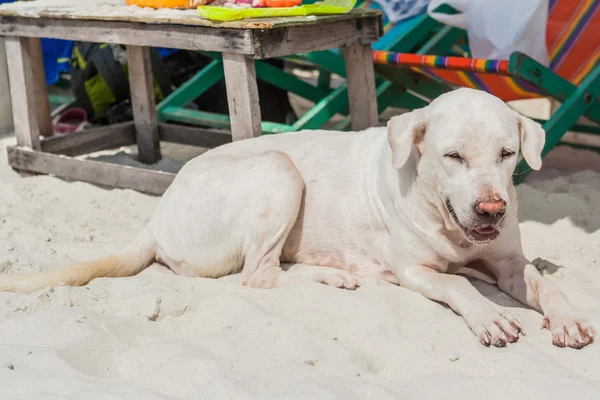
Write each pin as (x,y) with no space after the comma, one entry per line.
(241,42)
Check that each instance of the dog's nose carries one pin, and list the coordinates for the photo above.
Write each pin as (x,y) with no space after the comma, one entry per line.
(490,208)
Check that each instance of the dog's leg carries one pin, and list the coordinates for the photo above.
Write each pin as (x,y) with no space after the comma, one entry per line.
(491,323)
(264,271)
(326,275)
(520,279)
(272,220)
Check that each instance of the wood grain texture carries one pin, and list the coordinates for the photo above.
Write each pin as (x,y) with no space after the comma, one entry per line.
(41,10)
(242,96)
(100,173)
(141,34)
(142,102)
(42,102)
(361,87)
(92,140)
(263,38)
(283,41)
(22,92)
(193,136)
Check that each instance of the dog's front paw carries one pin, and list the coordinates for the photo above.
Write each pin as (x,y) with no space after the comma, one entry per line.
(494,326)
(569,330)
(340,279)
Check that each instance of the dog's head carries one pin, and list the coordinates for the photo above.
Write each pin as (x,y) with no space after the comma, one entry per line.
(464,146)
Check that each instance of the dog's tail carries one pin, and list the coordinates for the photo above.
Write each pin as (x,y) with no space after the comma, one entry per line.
(134,258)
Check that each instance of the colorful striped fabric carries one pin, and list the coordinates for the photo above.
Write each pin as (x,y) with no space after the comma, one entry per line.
(478,65)
(572,37)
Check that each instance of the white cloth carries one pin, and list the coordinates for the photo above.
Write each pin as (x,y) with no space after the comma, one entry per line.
(497,28)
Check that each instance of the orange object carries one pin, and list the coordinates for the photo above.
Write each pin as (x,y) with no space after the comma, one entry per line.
(282,3)
(168,3)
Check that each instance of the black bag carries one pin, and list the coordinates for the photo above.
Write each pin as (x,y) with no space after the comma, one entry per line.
(100,81)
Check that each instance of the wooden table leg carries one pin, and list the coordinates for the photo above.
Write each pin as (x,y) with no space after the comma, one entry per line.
(242,96)
(22,92)
(361,86)
(142,101)
(42,102)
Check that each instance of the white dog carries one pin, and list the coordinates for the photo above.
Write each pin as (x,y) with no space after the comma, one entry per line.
(410,206)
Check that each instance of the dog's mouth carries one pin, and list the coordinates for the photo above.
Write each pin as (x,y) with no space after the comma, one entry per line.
(479,234)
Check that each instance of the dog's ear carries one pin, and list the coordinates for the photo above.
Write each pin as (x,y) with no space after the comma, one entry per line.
(404,132)
(532,138)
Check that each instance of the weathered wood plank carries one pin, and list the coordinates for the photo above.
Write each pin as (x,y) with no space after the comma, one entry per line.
(361,87)
(92,140)
(201,137)
(242,96)
(42,102)
(142,101)
(261,38)
(22,92)
(285,41)
(93,12)
(140,34)
(100,173)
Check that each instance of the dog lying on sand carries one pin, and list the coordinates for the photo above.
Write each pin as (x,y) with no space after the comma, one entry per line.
(410,204)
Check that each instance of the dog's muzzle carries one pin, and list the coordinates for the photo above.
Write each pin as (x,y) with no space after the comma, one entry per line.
(485,227)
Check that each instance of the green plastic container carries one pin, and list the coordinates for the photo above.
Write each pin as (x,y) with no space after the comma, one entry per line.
(327,7)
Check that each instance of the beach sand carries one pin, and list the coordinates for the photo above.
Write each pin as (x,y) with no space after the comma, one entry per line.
(160,336)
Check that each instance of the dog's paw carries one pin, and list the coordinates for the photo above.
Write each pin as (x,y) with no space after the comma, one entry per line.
(569,330)
(494,326)
(340,279)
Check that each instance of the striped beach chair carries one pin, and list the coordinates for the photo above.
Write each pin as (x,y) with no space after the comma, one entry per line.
(572,78)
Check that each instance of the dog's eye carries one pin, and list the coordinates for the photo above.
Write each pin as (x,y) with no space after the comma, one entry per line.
(454,155)
(506,153)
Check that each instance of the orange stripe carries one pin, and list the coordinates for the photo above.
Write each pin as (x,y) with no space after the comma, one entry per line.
(429,61)
(479,64)
(572,24)
(514,87)
(465,78)
(593,61)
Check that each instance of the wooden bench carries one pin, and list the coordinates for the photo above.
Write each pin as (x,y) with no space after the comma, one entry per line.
(240,42)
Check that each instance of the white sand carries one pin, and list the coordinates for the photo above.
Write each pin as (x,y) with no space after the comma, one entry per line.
(217,340)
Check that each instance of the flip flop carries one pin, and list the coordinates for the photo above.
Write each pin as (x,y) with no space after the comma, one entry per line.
(72,120)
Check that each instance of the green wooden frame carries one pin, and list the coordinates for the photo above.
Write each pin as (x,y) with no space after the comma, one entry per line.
(577,101)
(426,35)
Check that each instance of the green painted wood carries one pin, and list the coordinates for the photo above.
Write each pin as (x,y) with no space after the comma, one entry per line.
(343,125)
(334,103)
(553,85)
(329,103)
(328,61)
(215,120)
(324,80)
(194,87)
(413,80)
(581,146)
(59,99)
(406,100)
(584,97)
(443,40)
(580,128)
(334,63)
(268,73)
(572,109)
